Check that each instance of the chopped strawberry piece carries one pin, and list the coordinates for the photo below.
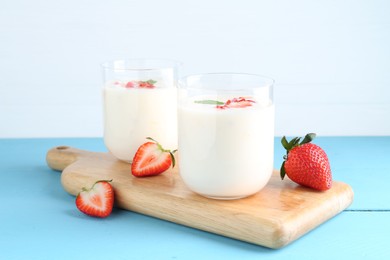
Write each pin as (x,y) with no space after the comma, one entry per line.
(143,84)
(237,103)
(137,84)
(130,84)
(148,85)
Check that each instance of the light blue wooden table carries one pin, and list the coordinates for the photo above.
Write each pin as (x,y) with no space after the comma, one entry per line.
(39,219)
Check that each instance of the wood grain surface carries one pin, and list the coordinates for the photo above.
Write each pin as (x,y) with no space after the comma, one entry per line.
(277,215)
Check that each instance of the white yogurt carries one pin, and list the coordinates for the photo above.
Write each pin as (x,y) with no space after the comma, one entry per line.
(132,114)
(225,153)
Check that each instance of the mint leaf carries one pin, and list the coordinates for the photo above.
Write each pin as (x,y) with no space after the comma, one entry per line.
(152,82)
(209,102)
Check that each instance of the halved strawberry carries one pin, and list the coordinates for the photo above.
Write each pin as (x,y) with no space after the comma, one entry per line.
(237,103)
(97,201)
(152,159)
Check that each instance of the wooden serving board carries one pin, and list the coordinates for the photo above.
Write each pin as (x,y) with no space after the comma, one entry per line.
(277,215)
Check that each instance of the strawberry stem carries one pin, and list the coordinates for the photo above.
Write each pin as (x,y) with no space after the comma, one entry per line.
(86,189)
(151,139)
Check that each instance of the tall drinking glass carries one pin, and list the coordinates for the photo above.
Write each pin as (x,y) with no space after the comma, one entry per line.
(140,100)
(226,133)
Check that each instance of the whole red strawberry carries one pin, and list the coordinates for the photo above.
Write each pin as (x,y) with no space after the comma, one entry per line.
(306,163)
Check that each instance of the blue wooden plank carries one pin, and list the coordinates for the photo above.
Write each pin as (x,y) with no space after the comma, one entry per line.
(54,229)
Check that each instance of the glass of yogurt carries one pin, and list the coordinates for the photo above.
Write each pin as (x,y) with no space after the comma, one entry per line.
(140,100)
(226,133)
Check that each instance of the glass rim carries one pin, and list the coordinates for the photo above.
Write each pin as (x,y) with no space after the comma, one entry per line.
(136,64)
(269,82)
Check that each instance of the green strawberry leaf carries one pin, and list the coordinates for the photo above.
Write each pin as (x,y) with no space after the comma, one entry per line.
(173,158)
(209,102)
(282,171)
(285,143)
(308,138)
(295,141)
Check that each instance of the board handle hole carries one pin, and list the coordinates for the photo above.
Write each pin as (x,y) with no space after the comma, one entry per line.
(63,147)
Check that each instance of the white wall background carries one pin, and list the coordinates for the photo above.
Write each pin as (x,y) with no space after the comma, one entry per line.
(330,59)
